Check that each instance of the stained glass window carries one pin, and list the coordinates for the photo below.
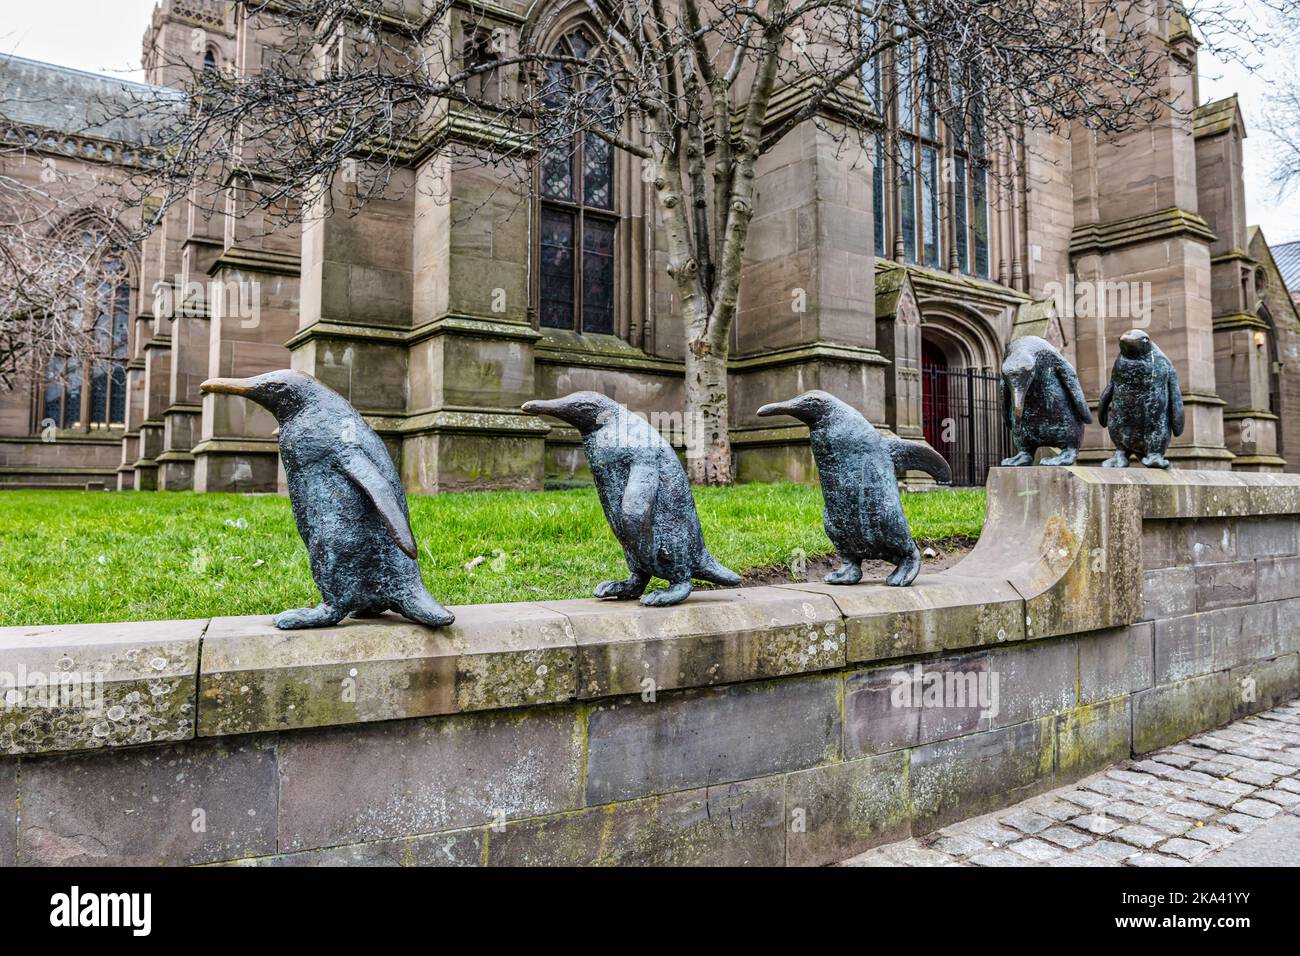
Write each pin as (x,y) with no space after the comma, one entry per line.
(980,219)
(580,44)
(557,173)
(925,91)
(558,145)
(906,96)
(89,392)
(917,168)
(959,202)
(930,206)
(878,196)
(54,390)
(557,268)
(977,132)
(932,198)
(598,276)
(598,153)
(907,200)
(576,183)
(871,70)
(970,175)
(939,227)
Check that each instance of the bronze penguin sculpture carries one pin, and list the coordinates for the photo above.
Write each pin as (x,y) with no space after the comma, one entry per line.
(1142,406)
(859,474)
(646,498)
(348,503)
(1043,402)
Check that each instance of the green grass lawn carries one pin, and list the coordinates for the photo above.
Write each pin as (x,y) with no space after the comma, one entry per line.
(72,556)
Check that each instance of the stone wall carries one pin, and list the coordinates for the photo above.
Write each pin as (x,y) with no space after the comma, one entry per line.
(1113,612)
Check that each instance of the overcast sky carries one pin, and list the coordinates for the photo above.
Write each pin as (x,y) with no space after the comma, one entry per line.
(104,36)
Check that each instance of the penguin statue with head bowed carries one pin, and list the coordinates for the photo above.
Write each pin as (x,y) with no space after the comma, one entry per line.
(1142,407)
(859,474)
(646,497)
(1043,402)
(347,501)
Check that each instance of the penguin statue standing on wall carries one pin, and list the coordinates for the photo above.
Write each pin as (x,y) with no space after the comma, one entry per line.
(859,474)
(646,497)
(1043,402)
(347,500)
(1142,407)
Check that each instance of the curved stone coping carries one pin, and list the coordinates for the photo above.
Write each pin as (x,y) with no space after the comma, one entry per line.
(1069,541)
(1060,554)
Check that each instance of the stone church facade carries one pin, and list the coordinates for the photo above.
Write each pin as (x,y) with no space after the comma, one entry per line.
(437,325)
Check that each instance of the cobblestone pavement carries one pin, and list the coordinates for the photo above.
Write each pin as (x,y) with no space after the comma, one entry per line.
(1226,797)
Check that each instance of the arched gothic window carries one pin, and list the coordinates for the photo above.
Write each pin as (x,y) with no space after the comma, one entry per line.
(970,182)
(932,194)
(577,223)
(88,390)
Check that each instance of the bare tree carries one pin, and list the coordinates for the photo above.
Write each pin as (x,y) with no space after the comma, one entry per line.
(44,260)
(1282,122)
(686,86)
(1282,108)
(63,227)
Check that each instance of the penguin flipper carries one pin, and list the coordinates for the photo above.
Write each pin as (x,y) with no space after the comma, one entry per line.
(913,456)
(1069,379)
(1176,421)
(637,509)
(1103,407)
(363,473)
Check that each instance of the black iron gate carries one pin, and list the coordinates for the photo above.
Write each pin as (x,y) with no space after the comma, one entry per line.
(963,421)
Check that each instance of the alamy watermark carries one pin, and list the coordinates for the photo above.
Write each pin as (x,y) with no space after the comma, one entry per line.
(133,911)
(230,299)
(1101,299)
(916,687)
(41,690)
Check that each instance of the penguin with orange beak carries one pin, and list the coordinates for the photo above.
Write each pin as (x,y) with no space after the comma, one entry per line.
(348,503)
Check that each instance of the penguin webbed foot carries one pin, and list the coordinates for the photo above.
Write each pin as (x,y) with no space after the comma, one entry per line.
(425,610)
(1156,460)
(322,615)
(849,572)
(1068,456)
(907,570)
(1018,460)
(1117,460)
(632,587)
(673,594)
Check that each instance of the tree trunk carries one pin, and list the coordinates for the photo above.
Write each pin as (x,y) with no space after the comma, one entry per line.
(708,448)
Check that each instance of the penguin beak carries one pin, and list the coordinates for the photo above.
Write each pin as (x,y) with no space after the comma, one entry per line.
(227,386)
(540,407)
(1018,400)
(779,408)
